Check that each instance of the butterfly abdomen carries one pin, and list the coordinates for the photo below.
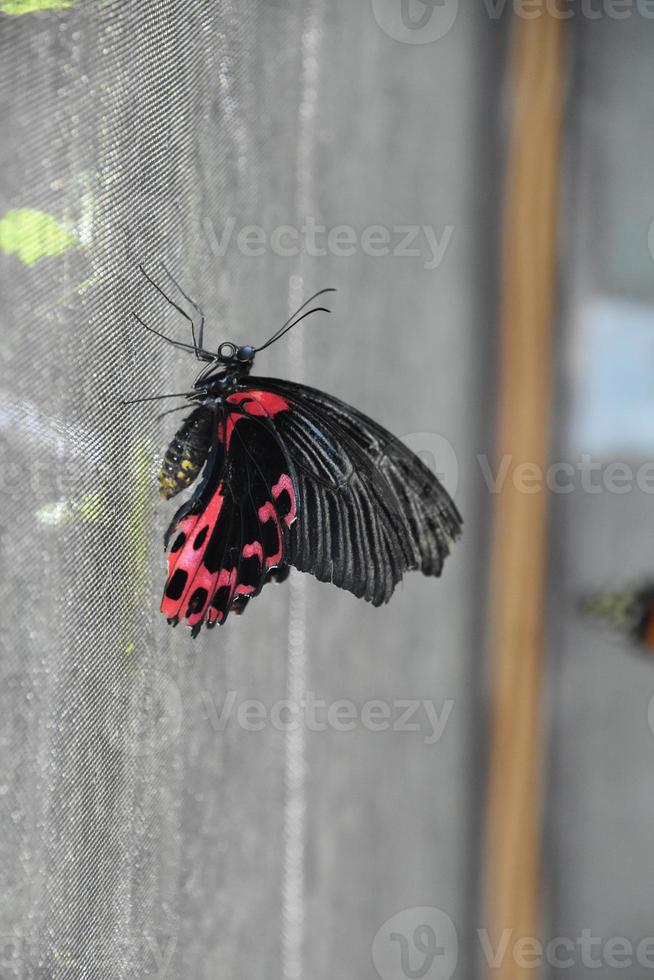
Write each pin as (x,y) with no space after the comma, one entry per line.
(187,452)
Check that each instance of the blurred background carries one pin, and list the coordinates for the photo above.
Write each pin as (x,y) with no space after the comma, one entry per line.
(306,793)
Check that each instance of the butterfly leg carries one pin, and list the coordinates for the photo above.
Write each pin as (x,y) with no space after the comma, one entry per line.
(200,354)
(157,333)
(196,309)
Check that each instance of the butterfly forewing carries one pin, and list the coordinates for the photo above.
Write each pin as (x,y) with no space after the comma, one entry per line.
(408,510)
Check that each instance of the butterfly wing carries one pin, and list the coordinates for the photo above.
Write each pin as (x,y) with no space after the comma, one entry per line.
(232,535)
(369,509)
(298,477)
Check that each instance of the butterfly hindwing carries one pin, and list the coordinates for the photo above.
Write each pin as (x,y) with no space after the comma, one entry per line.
(232,535)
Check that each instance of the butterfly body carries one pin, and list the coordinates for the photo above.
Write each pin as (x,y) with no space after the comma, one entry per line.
(290,476)
(187,453)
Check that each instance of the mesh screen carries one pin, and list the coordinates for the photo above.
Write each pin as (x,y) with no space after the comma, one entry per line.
(146,830)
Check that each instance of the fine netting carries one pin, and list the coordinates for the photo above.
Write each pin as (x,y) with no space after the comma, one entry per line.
(147,829)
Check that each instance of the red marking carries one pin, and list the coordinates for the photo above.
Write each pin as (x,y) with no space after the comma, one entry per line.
(267,513)
(184,527)
(189,559)
(226,578)
(232,582)
(211,582)
(255,403)
(203,580)
(253,549)
(259,402)
(285,483)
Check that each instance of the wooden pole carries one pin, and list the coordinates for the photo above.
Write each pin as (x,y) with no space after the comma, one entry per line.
(520,514)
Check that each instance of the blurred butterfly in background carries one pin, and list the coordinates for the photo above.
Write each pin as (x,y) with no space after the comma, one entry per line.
(630,611)
(289,476)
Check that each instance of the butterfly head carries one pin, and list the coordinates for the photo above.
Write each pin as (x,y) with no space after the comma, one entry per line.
(236,357)
(224,369)
(234,361)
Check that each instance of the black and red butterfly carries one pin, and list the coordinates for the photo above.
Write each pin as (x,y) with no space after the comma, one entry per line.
(290,476)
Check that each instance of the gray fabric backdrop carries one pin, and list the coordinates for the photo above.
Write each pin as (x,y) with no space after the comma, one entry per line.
(145,831)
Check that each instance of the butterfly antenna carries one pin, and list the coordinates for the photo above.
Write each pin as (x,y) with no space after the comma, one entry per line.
(293,320)
(157,398)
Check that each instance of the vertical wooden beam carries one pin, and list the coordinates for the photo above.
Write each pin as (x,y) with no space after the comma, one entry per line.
(520,514)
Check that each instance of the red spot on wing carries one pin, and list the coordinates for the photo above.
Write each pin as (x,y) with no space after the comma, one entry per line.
(185,570)
(253,550)
(256,403)
(183,529)
(244,589)
(259,402)
(286,484)
(267,513)
(216,581)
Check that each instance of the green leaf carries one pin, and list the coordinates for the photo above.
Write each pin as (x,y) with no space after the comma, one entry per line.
(92,507)
(33,235)
(18,7)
